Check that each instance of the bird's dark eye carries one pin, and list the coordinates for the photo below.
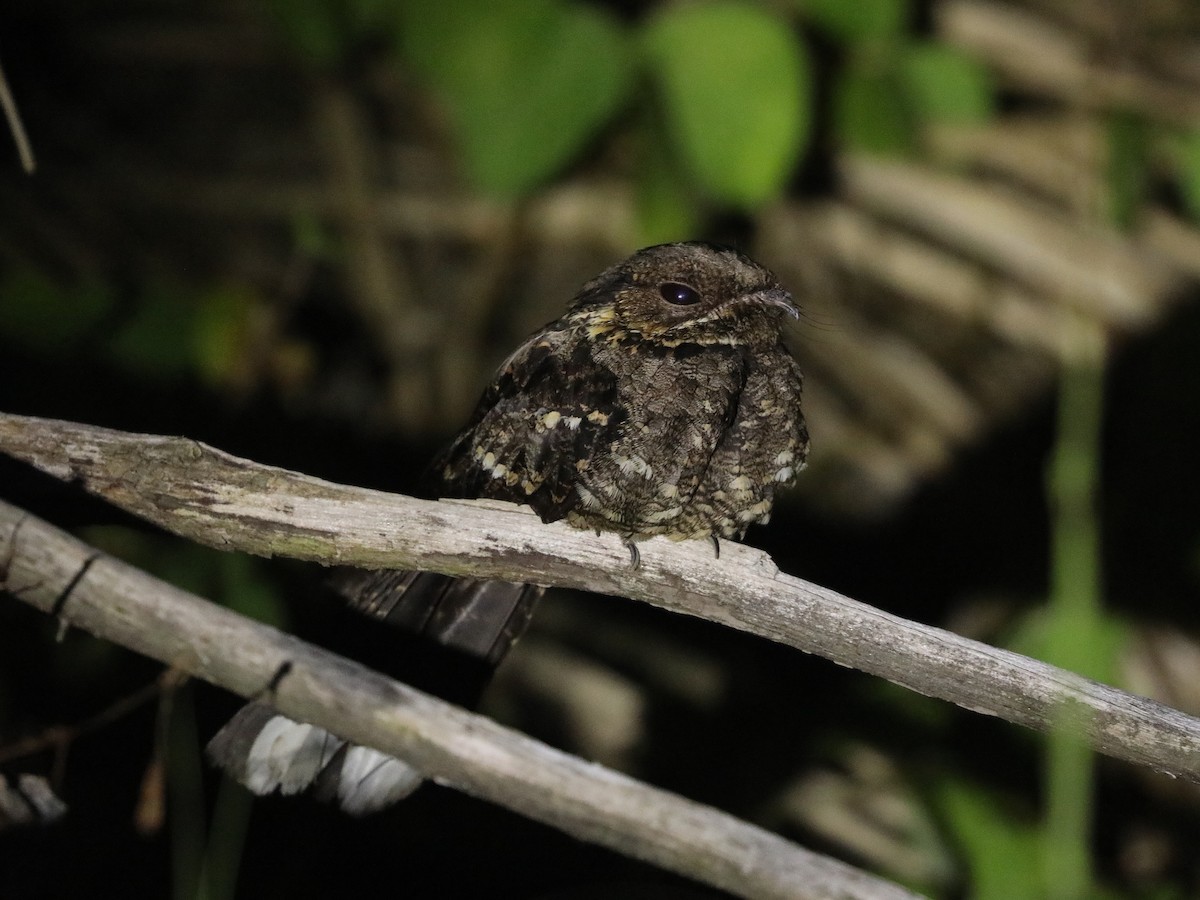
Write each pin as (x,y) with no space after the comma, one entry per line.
(678,294)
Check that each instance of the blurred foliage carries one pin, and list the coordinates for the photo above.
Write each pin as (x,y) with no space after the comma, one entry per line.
(893,85)
(1076,620)
(38,314)
(167,331)
(526,82)
(1188,162)
(945,85)
(1128,168)
(735,87)
(867,20)
(185,780)
(1001,848)
(529,84)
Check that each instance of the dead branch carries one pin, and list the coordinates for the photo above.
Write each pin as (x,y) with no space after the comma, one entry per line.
(58,574)
(1037,54)
(11,115)
(1095,272)
(235,504)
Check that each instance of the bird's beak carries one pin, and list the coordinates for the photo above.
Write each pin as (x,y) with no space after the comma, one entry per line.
(775,297)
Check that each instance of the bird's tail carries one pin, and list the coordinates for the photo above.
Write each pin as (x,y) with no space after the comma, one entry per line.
(268,752)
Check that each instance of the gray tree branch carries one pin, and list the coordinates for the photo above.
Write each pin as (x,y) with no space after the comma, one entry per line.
(61,575)
(235,504)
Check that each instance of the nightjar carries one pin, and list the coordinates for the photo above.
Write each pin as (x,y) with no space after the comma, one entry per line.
(663,402)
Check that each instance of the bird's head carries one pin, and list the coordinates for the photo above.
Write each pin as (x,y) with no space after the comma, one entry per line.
(688,293)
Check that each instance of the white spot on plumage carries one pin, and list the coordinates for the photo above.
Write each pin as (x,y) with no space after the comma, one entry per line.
(755,512)
(586,497)
(741,483)
(634,465)
(785,474)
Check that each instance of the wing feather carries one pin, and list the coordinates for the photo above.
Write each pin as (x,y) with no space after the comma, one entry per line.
(537,426)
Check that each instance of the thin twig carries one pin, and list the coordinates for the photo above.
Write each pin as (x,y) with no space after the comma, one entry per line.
(380,287)
(57,736)
(13,115)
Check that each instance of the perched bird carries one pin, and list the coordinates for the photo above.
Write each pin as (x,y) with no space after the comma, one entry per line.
(663,402)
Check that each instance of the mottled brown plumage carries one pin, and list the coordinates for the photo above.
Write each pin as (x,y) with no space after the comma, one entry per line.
(662,402)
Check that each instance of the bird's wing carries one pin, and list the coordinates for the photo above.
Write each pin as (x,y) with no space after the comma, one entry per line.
(537,426)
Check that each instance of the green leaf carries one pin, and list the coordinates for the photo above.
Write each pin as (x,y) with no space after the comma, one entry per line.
(222,332)
(1094,652)
(527,83)
(1001,852)
(735,86)
(156,340)
(245,590)
(858,20)
(1128,167)
(1189,172)
(234,579)
(871,113)
(456,45)
(946,85)
(41,315)
(366,15)
(312,238)
(316,28)
(666,211)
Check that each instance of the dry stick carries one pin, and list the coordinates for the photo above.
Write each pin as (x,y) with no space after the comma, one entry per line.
(1034,247)
(924,273)
(582,211)
(57,736)
(13,115)
(235,504)
(1034,52)
(123,604)
(1171,237)
(379,287)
